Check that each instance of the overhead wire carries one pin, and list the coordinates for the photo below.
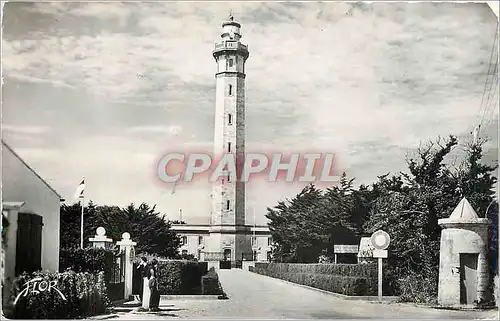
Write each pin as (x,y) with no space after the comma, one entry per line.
(487,92)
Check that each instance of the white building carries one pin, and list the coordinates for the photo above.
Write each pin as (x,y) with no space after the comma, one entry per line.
(227,236)
(32,209)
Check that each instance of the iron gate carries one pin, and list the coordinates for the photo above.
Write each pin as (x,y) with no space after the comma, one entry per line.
(116,285)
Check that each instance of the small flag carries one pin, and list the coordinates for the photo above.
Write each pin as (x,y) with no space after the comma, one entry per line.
(80,189)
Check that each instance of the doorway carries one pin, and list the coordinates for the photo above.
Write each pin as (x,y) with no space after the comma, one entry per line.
(29,243)
(468,278)
(226,261)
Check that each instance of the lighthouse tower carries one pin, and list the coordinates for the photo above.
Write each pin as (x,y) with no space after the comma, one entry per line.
(228,234)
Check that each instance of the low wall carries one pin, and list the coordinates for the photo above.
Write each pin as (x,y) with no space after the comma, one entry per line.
(247,264)
(213,264)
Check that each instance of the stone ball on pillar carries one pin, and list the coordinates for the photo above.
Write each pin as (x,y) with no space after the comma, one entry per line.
(126,236)
(100,231)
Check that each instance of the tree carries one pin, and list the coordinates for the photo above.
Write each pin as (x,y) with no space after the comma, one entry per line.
(147,227)
(432,189)
(309,224)
(406,205)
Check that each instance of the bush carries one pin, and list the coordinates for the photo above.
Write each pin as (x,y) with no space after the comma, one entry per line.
(357,270)
(417,288)
(347,279)
(210,283)
(85,294)
(92,260)
(181,277)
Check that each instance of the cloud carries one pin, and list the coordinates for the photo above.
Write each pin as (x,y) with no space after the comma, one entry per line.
(335,76)
(173,130)
(28,130)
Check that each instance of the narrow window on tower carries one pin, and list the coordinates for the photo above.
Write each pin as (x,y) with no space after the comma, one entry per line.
(227,205)
(230,90)
(230,119)
(229,147)
(230,63)
(228,177)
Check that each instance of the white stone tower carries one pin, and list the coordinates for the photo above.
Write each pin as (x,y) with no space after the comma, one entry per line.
(228,233)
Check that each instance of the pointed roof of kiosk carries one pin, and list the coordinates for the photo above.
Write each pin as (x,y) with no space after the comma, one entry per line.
(463,213)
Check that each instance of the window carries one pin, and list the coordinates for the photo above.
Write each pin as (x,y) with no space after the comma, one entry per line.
(227,204)
(254,241)
(230,63)
(230,119)
(269,241)
(254,255)
(228,177)
(184,240)
(230,90)
(200,240)
(229,147)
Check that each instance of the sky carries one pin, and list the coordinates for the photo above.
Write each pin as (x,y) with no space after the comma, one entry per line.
(104,90)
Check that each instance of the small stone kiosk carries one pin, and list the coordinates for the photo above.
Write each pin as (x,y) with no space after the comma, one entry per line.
(463,262)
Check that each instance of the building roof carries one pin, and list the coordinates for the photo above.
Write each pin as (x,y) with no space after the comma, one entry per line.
(462,215)
(464,212)
(4,144)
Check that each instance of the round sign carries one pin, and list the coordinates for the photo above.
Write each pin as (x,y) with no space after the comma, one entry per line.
(380,240)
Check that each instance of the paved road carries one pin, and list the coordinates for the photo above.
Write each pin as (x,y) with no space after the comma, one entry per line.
(256,296)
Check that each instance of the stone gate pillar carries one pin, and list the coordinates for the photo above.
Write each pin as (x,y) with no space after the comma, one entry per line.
(127,245)
(463,259)
(100,240)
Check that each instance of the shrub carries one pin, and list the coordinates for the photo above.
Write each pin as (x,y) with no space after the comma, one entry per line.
(357,270)
(92,260)
(347,279)
(181,277)
(85,294)
(417,288)
(210,283)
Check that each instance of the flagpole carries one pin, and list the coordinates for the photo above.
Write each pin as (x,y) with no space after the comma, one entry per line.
(81,224)
(81,219)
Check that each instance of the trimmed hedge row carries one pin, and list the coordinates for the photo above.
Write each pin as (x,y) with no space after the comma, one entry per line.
(210,284)
(181,277)
(347,279)
(85,295)
(91,260)
(356,270)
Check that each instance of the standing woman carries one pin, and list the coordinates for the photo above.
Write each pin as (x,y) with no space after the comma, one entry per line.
(146,294)
(154,304)
(142,270)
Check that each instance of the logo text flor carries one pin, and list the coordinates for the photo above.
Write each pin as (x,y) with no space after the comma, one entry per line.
(300,167)
(37,286)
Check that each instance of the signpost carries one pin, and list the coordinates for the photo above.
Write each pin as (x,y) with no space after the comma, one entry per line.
(380,241)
